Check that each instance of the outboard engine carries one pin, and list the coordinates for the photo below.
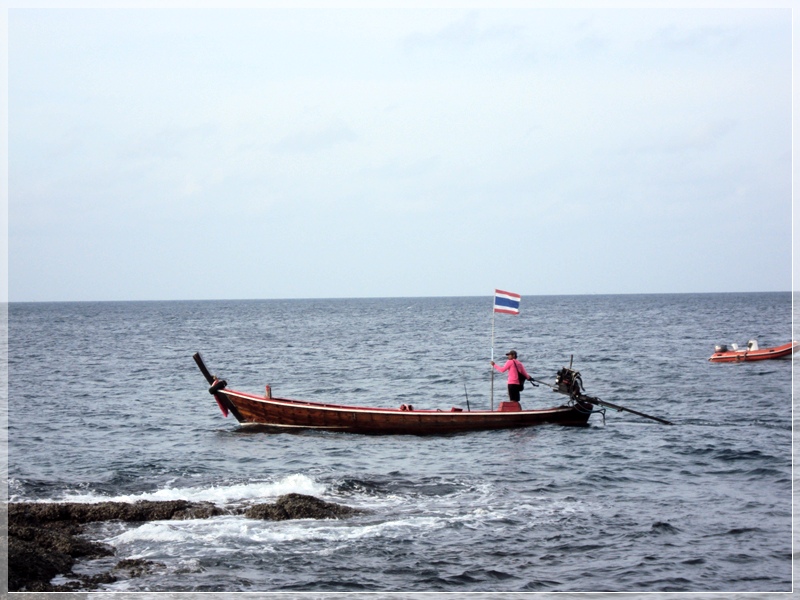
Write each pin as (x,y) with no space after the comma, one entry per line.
(569,382)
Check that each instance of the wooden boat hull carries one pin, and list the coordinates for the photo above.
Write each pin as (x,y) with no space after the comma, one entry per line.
(746,355)
(295,414)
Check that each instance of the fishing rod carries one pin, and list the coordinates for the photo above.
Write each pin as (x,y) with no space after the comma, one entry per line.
(597,402)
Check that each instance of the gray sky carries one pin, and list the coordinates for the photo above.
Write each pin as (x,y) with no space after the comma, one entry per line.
(192,154)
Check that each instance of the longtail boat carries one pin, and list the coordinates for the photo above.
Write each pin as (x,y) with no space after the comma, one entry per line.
(284,413)
(723,353)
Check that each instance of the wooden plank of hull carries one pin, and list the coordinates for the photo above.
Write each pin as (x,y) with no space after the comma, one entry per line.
(278,412)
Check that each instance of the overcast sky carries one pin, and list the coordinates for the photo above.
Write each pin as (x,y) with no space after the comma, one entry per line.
(199,154)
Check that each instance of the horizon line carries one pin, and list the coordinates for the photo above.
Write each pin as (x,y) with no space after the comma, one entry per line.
(9,302)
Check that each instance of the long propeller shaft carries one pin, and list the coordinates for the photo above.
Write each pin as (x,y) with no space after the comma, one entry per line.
(598,402)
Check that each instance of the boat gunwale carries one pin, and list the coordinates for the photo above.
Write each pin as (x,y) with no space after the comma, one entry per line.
(381,410)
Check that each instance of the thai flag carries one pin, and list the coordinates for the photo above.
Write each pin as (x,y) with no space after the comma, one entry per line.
(506,302)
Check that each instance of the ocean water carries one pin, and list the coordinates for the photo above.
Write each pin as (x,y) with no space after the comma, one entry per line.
(105,403)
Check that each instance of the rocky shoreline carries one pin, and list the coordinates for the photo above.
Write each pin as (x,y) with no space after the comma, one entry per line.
(45,539)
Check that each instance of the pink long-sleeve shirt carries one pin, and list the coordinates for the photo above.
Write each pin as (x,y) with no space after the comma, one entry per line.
(513,374)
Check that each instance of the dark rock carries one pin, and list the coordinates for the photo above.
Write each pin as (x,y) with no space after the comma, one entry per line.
(44,539)
(265,512)
(83,582)
(144,510)
(37,552)
(30,563)
(201,510)
(299,506)
(136,567)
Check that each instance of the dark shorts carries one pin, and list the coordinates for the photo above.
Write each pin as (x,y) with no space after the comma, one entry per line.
(513,391)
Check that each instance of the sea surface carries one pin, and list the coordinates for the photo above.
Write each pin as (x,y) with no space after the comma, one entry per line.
(106,403)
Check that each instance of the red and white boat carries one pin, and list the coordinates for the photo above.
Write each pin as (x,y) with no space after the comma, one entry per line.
(723,353)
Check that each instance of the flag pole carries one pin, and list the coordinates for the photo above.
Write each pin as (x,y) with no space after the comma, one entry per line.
(504,302)
(492,366)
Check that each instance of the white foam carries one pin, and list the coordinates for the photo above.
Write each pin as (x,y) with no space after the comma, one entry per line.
(154,531)
(220,495)
(227,534)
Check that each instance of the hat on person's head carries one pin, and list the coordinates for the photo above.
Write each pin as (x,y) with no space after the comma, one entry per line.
(512,353)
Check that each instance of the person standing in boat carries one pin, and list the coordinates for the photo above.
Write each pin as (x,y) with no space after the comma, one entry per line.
(516,375)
